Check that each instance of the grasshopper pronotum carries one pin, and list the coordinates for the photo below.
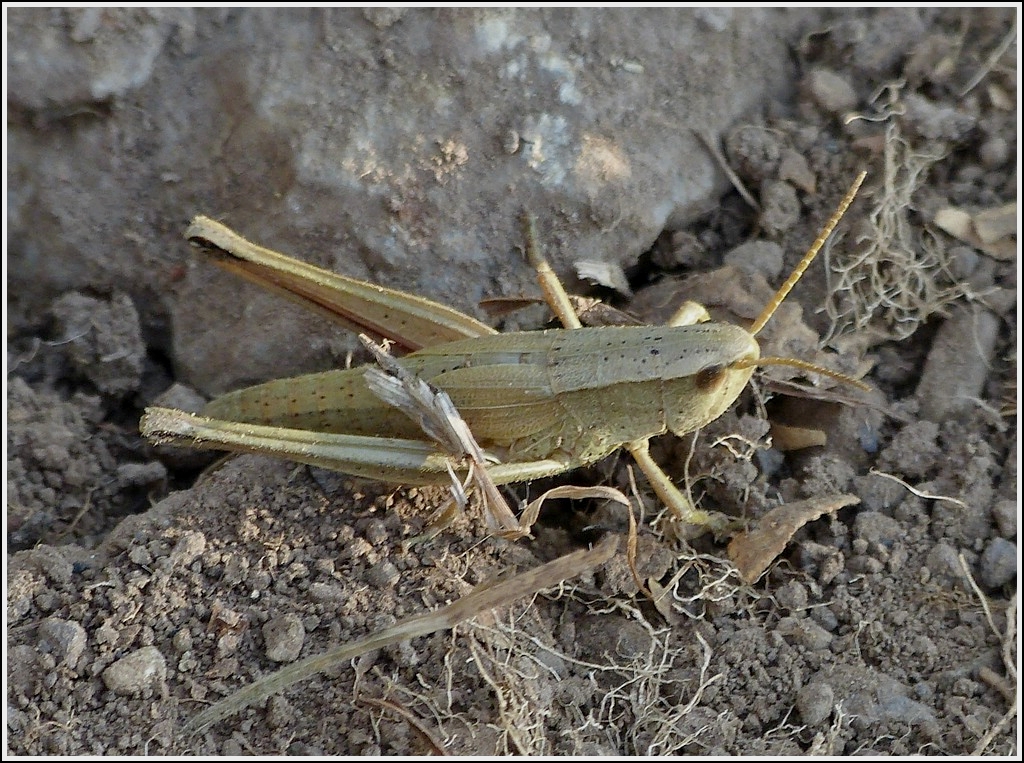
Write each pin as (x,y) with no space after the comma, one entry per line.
(539,402)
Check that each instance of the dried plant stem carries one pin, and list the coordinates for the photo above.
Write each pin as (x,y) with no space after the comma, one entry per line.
(485,597)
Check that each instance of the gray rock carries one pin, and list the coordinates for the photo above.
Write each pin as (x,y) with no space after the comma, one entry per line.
(943,564)
(143,669)
(877,528)
(764,257)
(814,702)
(284,636)
(958,363)
(994,152)
(998,563)
(780,207)
(805,632)
(832,92)
(1005,515)
(383,575)
(64,639)
(792,596)
(400,174)
(103,339)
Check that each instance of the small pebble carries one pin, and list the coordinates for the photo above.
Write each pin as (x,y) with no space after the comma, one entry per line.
(382,575)
(780,207)
(754,153)
(825,617)
(103,339)
(1005,515)
(64,639)
(140,555)
(814,702)
(142,669)
(877,528)
(510,142)
(998,563)
(831,92)
(958,362)
(792,596)
(376,532)
(182,641)
(328,592)
(963,261)
(764,257)
(132,475)
(805,632)
(943,564)
(793,168)
(284,636)
(994,152)
(632,640)
(181,397)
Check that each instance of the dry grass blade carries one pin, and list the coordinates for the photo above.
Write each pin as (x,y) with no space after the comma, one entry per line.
(573,493)
(484,597)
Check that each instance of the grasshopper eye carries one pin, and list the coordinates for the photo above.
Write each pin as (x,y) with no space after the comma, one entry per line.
(708,378)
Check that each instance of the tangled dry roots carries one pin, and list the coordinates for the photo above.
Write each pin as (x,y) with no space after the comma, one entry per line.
(897,274)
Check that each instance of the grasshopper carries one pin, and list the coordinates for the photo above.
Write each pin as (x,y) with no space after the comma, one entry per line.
(539,402)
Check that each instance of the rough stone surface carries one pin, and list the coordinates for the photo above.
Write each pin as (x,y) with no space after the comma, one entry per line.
(103,338)
(284,636)
(999,563)
(64,639)
(957,365)
(831,92)
(143,669)
(372,151)
(814,702)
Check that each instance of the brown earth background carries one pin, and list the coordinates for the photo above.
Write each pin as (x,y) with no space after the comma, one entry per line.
(401,146)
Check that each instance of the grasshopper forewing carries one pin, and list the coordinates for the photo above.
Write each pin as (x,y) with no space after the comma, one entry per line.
(539,402)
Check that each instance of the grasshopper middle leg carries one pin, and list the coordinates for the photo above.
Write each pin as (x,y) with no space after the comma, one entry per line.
(689,313)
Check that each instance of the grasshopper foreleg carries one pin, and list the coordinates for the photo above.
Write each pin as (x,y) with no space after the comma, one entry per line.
(691,312)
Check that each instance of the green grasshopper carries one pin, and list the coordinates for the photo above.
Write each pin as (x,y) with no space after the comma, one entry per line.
(539,402)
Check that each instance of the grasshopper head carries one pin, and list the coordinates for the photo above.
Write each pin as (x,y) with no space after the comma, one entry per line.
(711,382)
(701,396)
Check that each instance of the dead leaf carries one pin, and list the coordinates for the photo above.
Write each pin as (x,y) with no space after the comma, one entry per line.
(603,273)
(752,551)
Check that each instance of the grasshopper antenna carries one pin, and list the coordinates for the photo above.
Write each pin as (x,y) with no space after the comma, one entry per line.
(798,271)
(805,366)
